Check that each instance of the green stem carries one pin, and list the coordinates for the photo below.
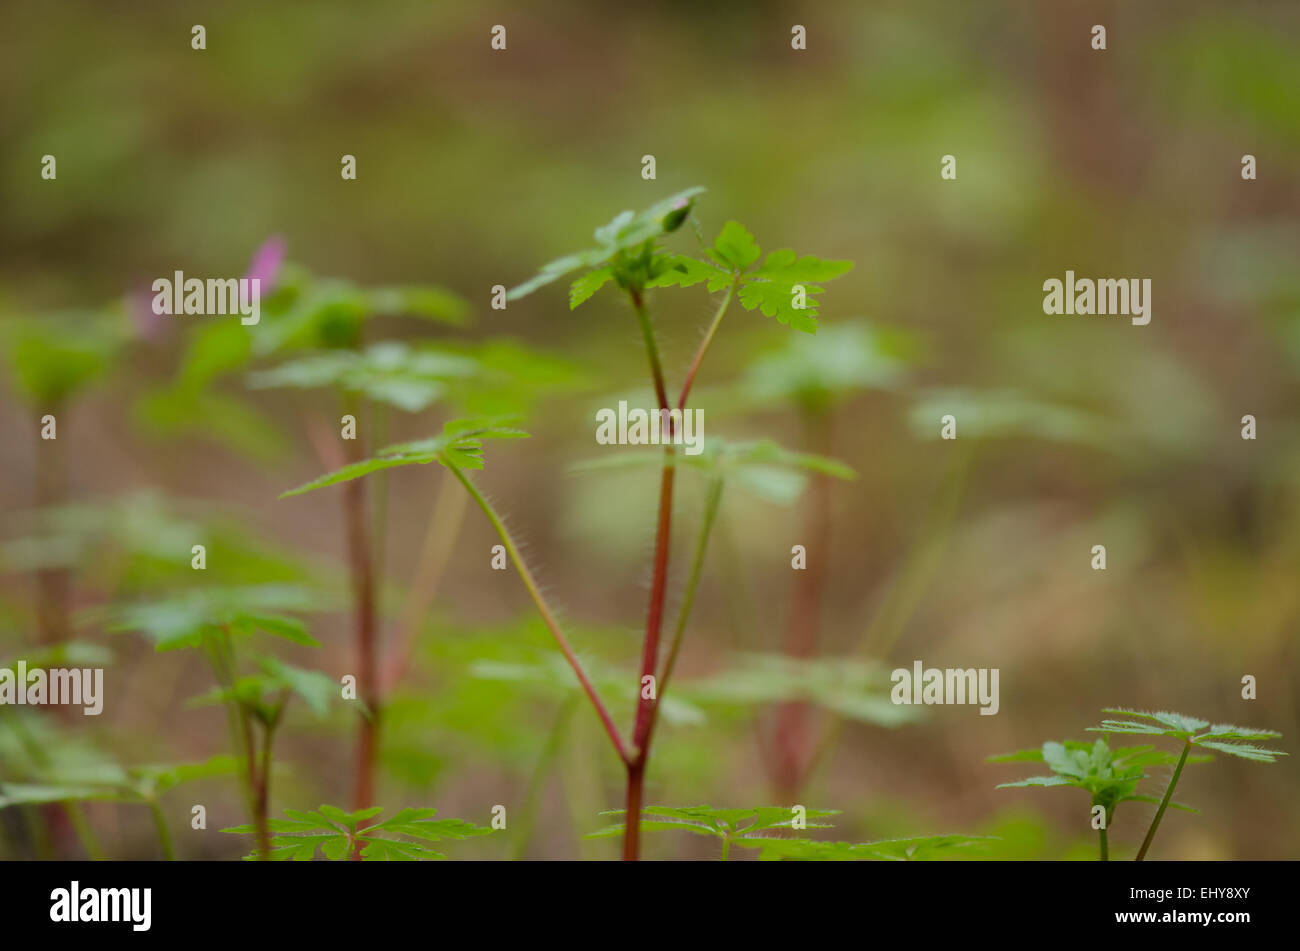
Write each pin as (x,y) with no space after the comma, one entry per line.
(542,607)
(651,348)
(85,834)
(1105,851)
(704,345)
(536,782)
(164,834)
(1164,803)
(726,848)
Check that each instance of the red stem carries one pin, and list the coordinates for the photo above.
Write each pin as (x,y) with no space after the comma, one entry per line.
(647,708)
(363,592)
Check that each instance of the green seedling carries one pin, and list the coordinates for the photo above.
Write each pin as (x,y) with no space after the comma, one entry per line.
(1108,776)
(628,254)
(338,835)
(254,688)
(1220,737)
(1111,777)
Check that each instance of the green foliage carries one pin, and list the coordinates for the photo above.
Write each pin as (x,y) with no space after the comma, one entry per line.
(329,313)
(757,829)
(389,372)
(337,834)
(187,618)
(1221,737)
(136,784)
(140,542)
(845,686)
(813,371)
(547,673)
(921,848)
(511,377)
(52,358)
(264,691)
(1109,777)
(460,445)
(996,414)
(742,826)
(769,287)
(624,251)
(761,466)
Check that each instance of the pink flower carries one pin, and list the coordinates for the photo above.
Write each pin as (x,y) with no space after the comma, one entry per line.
(266,262)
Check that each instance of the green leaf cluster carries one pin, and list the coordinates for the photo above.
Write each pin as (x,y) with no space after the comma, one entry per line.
(336,834)
(1108,776)
(185,619)
(625,251)
(768,287)
(741,826)
(1220,737)
(761,466)
(411,379)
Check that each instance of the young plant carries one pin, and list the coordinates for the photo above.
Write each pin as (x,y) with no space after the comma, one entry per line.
(136,785)
(1108,776)
(628,254)
(254,690)
(339,835)
(328,317)
(1191,731)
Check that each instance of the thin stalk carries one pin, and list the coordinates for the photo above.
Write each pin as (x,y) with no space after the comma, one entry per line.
(651,348)
(439,541)
(164,834)
(361,568)
(655,610)
(726,847)
(1164,803)
(221,658)
(711,504)
(632,815)
(85,834)
(542,607)
(704,345)
(659,581)
(537,781)
(1105,852)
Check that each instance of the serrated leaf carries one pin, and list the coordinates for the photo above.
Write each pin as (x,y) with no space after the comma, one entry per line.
(336,833)
(461,443)
(681,270)
(1242,750)
(584,287)
(735,247)
(184,619)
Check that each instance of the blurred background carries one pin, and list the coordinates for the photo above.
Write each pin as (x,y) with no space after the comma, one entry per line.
(475,166)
